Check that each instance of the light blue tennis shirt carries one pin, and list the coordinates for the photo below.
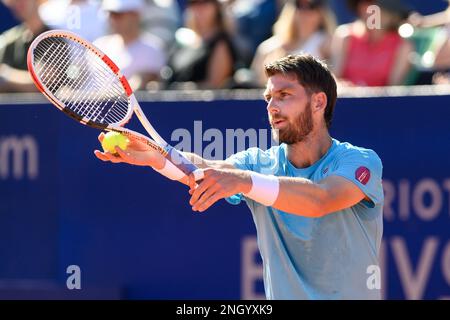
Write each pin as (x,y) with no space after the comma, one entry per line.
(332,257)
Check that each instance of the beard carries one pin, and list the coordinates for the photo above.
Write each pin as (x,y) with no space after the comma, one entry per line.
(296,130)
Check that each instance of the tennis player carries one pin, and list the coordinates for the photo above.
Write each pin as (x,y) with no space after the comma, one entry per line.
(316,202)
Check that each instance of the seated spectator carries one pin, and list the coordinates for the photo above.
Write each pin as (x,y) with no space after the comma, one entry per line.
(84,17)
(140,56)
(162,19)
(372,56)
(303,26)
(204,55)
(14,44)
(251,23)
(441,64)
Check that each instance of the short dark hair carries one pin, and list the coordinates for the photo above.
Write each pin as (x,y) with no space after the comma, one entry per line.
(312,74)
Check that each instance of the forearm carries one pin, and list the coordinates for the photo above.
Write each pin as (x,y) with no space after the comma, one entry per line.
(304,197)
(293,195)
(167,169)
(9,86)
(402,66)
(204,164)
(435,20)
(301,197)
(14,80)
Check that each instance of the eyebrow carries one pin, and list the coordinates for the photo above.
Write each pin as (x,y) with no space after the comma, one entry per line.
(267,92)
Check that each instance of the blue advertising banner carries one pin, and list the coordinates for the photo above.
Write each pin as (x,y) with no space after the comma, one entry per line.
(129,233)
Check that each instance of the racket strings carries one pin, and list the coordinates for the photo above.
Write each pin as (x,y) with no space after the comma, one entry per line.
(76,98)
(61,85)
(112,112)
(92,100)
(71,57)
(80,79)
(86,107)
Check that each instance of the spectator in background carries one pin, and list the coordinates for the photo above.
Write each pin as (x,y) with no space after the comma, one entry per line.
(204,53)
(437,19)
(442,61)
(84,17)
(303,26)
(162,18)
(439,73)
(140,56)
(14,44)
(251,23)
(371,56)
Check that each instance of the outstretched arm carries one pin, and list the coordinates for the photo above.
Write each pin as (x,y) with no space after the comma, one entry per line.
(295,195)
(15,80)
(138,153)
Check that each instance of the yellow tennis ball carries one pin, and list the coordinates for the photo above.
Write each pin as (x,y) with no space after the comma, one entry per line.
(113,139)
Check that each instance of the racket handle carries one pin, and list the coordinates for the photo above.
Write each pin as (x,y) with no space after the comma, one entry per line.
(180,161)
(198,175)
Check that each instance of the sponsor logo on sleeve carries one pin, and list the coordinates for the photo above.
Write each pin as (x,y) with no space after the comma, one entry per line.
(362,174)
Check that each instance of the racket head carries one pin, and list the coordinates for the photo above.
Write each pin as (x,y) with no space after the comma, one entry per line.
(82,81)
(79,79)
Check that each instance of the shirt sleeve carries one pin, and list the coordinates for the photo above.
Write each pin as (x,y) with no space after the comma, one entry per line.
(244,161)
(253,159)
(364,169)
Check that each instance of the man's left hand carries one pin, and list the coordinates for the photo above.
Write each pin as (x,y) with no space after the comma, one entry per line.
(218,184)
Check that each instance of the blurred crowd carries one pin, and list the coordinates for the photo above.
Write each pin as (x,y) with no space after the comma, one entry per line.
(216,44)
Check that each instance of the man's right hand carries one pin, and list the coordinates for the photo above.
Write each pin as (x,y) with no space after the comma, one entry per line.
(137,153)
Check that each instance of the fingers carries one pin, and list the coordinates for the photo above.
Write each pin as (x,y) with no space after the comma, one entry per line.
(209,202)
(191,183)
(100,155)
(202,187)
(122,154)
(106,156)
(138,144)
(198,174)
(101,136)
(205,197)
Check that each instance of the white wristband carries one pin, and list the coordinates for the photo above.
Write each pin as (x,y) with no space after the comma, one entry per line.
(264,189)
(170,171)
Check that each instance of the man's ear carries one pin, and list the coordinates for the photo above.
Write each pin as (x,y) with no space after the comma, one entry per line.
(319,101)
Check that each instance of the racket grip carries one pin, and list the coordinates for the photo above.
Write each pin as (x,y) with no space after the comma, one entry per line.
(198,174)
(180,161)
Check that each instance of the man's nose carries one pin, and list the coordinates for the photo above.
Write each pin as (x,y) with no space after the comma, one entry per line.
(272,108)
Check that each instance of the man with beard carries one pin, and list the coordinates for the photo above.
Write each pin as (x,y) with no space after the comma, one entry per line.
(316,202)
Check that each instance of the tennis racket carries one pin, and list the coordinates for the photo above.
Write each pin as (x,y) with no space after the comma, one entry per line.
(83,82)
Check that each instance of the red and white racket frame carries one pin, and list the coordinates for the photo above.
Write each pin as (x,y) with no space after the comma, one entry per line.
(160,145)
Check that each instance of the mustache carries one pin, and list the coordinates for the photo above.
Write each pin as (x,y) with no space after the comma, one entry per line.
(276,118)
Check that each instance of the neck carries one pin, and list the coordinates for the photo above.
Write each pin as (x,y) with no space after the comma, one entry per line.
(305,153)
(34,24)
(375,34)
(130,36)
(305,32)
